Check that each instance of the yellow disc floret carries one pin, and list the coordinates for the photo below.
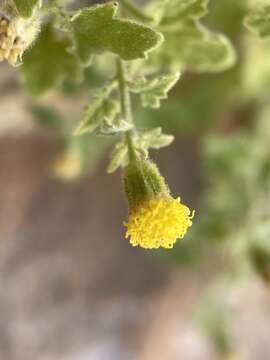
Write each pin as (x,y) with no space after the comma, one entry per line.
(158,222)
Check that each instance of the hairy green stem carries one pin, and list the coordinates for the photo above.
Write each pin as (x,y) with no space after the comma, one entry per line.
(124,91)
(136,12)
(125,104)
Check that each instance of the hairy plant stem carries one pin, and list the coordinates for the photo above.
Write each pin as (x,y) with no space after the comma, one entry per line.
(136,12)
(125,102)
(124,91)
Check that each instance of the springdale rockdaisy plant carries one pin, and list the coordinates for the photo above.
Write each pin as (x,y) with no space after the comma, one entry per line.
(109,66)
(55,41)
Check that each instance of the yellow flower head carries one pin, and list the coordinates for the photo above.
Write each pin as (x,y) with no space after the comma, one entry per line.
(158,222)
(156,219)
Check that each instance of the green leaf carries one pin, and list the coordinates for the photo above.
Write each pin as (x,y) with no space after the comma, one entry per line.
(188,43)
(26,7)
(96,29)
(258,20)
(113,126)
(143,140)
(49,62)
(154,90)
(197,49)
(152,139)
(101,109)
(119,157)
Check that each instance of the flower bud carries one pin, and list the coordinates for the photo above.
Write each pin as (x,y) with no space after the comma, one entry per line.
(16,33)
(142,181)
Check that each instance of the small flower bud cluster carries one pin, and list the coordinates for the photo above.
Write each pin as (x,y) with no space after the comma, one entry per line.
(16,33)
(11,44)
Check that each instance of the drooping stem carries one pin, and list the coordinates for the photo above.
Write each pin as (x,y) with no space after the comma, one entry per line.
(124,92)
(136,12)
(125,102)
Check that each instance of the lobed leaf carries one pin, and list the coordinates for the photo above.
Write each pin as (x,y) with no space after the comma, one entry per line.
(113,126)
(154,90)
(119,157)
(101,109)
(152,139)
(96,29)
(143,141)
(189,44)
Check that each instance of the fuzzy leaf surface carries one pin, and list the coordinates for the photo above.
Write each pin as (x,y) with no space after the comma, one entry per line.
(154,90)
(152,139)
(113,125)
(101,109)
(119,157)
(188,43)
(97,29)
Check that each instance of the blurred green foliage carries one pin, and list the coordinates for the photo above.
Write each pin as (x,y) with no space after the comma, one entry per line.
(214,318)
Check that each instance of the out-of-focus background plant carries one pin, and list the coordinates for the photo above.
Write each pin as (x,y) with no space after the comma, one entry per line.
(72,287)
